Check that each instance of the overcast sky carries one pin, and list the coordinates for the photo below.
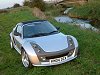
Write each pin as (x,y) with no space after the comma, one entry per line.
(9,3)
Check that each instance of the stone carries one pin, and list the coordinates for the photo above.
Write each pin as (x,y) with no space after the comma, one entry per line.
(38,13)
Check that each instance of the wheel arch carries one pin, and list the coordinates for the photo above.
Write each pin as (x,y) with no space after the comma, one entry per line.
(31,53)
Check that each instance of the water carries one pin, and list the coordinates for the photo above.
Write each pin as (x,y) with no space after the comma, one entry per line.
(63,19)
(74,21)
(9,3)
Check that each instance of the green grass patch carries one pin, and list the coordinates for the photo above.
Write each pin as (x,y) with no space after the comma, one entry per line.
(52,10)
(87,63)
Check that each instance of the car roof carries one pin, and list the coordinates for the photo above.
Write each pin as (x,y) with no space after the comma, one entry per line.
(24,23)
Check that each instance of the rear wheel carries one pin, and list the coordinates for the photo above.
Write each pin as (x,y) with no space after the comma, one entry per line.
(25,60)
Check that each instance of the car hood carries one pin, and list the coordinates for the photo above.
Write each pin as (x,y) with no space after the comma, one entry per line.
(51,43)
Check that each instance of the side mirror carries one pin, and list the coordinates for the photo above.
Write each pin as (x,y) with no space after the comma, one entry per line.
(58,28)
(17,34)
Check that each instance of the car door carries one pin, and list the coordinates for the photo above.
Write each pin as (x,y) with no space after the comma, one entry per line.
(18,38)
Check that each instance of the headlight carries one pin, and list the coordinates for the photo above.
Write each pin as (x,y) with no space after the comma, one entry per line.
(70,40)
(36,47)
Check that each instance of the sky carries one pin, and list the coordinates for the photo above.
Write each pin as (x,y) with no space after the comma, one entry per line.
(9,3)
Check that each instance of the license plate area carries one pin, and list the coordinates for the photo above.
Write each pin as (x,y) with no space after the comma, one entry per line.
(56,60)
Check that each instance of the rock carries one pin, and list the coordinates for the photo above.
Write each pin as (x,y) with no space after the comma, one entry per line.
(95,29)
(67,10)
(38,13)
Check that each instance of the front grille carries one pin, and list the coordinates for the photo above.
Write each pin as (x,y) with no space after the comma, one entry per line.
(61,55)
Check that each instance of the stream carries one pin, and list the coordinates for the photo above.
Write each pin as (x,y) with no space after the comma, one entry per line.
(84,24)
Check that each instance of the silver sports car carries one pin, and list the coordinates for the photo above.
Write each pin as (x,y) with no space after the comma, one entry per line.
(41,44)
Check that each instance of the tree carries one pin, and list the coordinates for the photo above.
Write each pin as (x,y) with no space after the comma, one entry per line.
(16,5)
(27,3)
(35,3)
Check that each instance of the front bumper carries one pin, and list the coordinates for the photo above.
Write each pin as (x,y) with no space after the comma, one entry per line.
(49,64)
(73,56)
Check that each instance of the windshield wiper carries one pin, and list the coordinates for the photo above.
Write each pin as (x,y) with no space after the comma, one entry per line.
(42,34)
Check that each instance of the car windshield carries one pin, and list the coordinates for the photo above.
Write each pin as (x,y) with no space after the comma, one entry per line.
(37,29)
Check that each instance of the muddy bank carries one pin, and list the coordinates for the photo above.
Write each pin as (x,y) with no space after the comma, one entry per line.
(76,16)
(95,23)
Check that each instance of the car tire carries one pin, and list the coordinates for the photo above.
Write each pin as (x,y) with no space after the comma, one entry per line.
(25,60)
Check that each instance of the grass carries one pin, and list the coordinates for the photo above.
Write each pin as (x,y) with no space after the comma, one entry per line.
(89,10)
(87,63)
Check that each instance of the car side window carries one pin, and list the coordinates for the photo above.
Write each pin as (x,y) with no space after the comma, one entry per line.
(19,29)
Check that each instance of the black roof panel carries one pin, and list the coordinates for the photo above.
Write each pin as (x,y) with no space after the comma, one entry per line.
(33,21)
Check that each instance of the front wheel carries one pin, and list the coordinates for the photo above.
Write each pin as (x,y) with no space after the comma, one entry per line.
(25,60)
(11,44)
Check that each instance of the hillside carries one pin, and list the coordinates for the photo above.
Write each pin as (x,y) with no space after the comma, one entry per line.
(87,63)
